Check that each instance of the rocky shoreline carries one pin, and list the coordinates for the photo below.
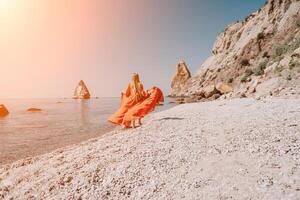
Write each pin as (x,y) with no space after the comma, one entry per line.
(238,149)
(255,57)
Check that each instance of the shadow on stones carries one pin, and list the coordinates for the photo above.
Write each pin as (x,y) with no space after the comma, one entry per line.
(171,118)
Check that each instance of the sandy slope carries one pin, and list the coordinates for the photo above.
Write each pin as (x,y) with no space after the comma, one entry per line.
(239,149)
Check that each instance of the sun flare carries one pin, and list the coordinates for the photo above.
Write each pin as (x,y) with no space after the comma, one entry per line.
(7,6)
(6,3)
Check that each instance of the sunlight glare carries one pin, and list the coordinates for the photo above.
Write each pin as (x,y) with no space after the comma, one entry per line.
(7,6)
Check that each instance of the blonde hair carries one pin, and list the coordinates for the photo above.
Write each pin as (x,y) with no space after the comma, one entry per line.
(137,87)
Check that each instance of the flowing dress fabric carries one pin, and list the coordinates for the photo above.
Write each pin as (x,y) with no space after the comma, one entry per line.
(143,108)
(128,100)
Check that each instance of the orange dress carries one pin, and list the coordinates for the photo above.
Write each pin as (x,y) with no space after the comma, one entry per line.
(141,109)
(128,100)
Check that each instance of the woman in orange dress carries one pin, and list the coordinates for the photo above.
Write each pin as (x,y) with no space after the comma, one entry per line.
(134,94)
(141,109)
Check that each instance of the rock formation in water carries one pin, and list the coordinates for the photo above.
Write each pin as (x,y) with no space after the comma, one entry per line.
(81,91)
(34,110)
(180,78)
(256,57)
(3,111)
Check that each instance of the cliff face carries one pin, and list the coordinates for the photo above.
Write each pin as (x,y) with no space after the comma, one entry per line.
(255,57)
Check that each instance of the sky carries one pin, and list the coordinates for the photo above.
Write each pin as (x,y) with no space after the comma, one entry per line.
(47,46)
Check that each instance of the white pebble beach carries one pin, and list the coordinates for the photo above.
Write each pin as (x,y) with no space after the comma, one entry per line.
(226,149)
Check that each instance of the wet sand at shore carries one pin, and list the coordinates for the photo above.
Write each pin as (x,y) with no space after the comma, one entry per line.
(39,142)
(25,134)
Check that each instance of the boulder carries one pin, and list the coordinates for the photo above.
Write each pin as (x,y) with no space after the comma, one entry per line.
(34,110)
(179,100)
(215,96)
(3,111)
(180,78)
(211,90)
(285,61)
(271,68)
(296,53)
(242,95)
(252,86)
(267,87)
(224,88)
(191,99)
(81,91)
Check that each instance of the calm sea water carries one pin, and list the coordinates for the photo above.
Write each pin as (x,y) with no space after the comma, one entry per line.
(62,122)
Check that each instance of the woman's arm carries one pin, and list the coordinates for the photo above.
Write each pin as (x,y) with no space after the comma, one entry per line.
(128,93)
(143,92)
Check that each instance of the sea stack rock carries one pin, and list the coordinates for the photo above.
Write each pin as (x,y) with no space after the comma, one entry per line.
(81,91)
(34,110)
(180,78)
(3,111)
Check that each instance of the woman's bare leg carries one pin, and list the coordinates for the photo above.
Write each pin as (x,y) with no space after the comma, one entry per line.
(133,124)
(126,126)
(140,121)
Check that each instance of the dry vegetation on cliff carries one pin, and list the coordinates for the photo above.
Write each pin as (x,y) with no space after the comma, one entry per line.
(257,57)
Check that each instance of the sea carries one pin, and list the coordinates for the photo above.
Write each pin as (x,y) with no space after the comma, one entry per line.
(62,122)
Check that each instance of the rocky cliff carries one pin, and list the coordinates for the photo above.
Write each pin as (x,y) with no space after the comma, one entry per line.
(255,57)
